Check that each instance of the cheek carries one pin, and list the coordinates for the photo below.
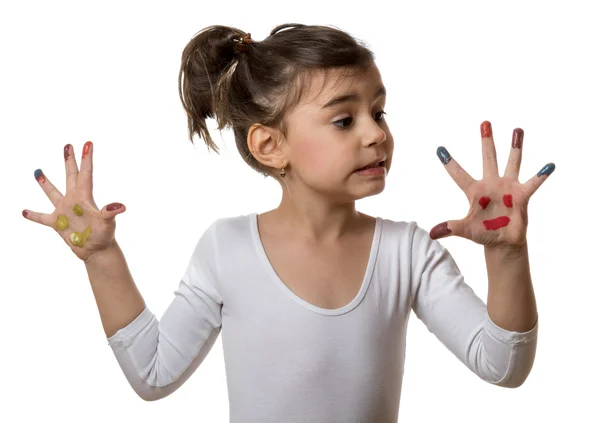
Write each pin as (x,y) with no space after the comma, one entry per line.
(319,155)
(312,156)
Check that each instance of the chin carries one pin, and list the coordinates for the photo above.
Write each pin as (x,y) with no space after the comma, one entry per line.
(373,190)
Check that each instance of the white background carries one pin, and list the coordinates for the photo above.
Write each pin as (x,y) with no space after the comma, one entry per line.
(107,72)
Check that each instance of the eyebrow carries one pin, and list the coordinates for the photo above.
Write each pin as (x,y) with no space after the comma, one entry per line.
(351,97)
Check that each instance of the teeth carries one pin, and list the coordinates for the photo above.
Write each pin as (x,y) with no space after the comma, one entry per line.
(371,166)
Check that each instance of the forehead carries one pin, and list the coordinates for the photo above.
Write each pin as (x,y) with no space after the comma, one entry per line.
(323,85)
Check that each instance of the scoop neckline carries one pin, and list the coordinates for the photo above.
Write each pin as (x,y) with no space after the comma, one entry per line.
(274,277)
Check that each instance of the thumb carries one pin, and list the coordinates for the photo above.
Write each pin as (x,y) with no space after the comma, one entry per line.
(446,229)
(112,209)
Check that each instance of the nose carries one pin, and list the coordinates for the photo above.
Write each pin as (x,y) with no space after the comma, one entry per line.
(374,134)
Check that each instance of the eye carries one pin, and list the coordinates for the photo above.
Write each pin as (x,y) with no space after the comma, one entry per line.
(348,120)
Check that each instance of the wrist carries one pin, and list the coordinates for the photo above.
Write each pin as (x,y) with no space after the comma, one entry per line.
(103,256)
(510,250)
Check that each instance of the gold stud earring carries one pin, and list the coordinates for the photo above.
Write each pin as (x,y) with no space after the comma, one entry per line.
(282,173)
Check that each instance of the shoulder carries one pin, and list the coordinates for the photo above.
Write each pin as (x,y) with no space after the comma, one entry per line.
(223,236)
(405,229)
(231,225)
(409,236)
(233,233)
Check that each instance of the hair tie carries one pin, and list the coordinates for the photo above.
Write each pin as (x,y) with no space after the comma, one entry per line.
(241,44)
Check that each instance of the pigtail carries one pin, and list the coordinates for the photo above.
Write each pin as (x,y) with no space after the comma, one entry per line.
(206,59)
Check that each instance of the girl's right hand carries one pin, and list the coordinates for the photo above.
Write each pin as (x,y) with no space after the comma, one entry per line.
(89,230)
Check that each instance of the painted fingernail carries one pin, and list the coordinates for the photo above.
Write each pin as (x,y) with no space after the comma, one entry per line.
(486,129)
(439,230)
(517,140)
(547,170)
(86,149)
(39,176)
(484,201)
(443,155)
(507,199)
(67,151)
(24,213)
(114,206)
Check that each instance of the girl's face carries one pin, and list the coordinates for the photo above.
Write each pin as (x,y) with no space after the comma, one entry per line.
(337,130)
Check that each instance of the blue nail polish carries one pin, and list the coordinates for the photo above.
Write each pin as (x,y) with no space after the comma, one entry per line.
(37,173)
(547,170)
(443,154)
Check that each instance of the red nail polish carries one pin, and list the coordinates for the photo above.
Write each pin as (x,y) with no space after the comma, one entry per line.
(439,230)
(66,151)
(86,149)
(114,206)
(486,129)
(517,139)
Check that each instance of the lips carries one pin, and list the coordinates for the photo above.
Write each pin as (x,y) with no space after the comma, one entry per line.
(376,163)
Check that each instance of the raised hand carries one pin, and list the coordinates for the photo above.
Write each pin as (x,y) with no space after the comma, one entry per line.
(498,204)
(76,218)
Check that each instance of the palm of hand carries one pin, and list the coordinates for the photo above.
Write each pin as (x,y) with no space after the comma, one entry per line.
(497,205)
(76,218)
(102,231)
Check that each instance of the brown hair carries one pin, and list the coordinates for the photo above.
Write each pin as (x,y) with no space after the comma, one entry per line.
(261,82)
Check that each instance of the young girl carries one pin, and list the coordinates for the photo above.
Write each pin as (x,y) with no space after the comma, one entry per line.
(312,298)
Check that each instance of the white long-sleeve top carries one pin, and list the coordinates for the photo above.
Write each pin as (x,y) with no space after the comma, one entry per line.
(287,360)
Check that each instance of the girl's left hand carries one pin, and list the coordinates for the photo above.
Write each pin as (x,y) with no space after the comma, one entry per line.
(498,205)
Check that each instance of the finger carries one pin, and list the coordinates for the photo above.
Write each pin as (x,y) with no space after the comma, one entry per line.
(531,186)
(41,218)
(53,194)
(84,180)
(70,167)
(112,209)
(448,228)
(490,163)
(460,176)
(514,159)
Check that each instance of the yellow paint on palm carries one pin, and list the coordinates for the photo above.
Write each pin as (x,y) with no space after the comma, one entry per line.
(62,222)
(79,238)
(77,210)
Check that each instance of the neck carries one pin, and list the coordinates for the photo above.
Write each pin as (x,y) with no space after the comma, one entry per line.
(313,218)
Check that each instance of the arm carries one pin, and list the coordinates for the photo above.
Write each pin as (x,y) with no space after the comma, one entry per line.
(452,311)
(511,300)
(117,297)
(497,219)
(157,357)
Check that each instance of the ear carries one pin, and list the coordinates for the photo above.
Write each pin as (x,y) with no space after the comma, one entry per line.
(264,145)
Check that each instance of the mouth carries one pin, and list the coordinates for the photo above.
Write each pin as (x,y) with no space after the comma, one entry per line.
(377,163)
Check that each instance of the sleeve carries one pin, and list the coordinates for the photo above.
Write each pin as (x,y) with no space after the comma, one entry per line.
(451,310)
(157,357)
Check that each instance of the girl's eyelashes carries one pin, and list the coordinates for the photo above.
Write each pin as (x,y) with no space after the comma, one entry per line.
(348,120)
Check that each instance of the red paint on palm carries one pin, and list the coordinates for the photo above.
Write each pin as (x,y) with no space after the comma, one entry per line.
(484,201)
(496,223)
